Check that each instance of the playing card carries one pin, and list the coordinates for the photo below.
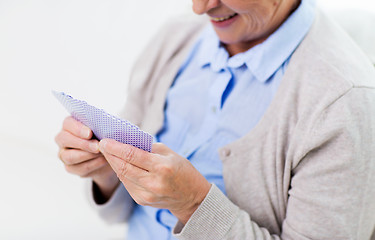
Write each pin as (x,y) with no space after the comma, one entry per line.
(105,125)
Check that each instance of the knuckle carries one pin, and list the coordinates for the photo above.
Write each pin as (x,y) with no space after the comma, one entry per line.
(66,157)
(166,169)
(60,153)
(59,138)
(62,139)
(124,169)
(83,144)
(127,153)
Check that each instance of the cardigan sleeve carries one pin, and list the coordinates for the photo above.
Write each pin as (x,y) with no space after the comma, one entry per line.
(332,190)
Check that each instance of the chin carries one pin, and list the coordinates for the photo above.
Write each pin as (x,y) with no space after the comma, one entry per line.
(228,39)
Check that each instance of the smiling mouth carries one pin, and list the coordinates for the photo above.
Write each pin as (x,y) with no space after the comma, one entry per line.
(222,19)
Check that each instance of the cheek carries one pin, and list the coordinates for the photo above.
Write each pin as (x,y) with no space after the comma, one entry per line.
(257,15)
(257,8)
(254,20)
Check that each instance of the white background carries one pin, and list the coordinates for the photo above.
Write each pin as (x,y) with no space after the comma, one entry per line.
(85,48)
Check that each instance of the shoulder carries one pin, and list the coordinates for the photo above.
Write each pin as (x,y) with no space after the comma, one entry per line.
(328,89)
(331,57)
(329,80)
(326,66)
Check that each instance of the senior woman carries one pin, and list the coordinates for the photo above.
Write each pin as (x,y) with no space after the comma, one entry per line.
(264,119)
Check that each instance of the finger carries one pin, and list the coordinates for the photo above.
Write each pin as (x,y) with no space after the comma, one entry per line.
(161,149)
(130,154)
(75,156)
(67,140)
(77,128)
(87,168)
(125,170)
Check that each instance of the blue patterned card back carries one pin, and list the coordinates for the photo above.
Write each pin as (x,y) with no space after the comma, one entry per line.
(105,125)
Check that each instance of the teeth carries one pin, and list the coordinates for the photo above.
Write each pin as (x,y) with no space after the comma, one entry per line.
(222,18)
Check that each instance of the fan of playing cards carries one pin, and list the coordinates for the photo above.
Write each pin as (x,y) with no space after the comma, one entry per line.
(105,125)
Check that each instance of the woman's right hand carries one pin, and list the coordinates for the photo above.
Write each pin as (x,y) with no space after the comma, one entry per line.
(80,155)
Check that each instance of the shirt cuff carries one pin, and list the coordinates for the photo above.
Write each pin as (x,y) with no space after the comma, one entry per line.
(212,220)
(117,209)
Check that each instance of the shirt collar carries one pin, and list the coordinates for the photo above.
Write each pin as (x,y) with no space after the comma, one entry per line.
(263,59)
(212,53)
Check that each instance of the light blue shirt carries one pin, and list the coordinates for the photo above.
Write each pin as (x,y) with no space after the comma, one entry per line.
(216,99)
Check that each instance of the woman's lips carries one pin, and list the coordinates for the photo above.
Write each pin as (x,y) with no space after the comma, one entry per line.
(223,21)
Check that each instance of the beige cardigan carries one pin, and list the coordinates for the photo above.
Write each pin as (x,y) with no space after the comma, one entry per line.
(306,171)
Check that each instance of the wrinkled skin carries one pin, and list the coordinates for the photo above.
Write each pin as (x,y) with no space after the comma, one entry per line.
(161,179)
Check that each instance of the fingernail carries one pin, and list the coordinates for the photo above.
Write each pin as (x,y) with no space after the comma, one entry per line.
(102,144)
(85,132)
(94,146)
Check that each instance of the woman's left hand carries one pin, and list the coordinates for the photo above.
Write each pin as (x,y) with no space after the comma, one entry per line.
(161,179)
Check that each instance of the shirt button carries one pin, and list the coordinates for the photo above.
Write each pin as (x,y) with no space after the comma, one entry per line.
(213,109)
(225,152)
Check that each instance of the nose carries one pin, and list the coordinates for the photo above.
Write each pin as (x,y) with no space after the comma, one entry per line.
(203,6)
